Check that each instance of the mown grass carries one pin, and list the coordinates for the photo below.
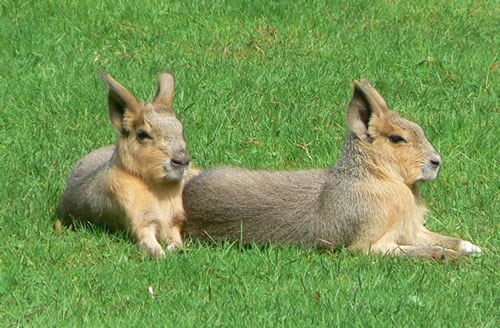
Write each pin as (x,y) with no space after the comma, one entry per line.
(259,84)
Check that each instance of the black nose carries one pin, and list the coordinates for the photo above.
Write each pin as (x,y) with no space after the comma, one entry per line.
(435,162)
(181,159)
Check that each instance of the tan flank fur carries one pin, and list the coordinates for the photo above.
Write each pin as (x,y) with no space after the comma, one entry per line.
(369,201)
(136,184)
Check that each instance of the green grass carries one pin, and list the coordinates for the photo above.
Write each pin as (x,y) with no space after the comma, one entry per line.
(260,84)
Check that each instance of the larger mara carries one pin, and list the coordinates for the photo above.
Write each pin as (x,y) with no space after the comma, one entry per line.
(369,201)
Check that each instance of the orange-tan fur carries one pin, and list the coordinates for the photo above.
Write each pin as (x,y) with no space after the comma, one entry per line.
(368,201)
(136,184)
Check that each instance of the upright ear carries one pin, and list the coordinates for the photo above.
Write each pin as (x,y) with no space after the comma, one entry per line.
(123,105)
(366,105)
(165,93)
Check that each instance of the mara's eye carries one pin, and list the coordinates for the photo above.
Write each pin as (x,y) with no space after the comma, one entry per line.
(143,135)
(394,138)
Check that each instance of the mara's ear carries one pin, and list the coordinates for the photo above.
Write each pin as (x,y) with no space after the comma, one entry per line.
(123,105)
(165,92)
(366,104)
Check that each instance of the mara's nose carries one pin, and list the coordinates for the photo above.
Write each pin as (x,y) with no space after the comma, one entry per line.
(181,158)
(435,160)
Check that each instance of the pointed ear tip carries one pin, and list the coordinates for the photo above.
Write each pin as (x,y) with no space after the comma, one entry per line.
(357,86)
(105,76)
(364,84)
(367,83)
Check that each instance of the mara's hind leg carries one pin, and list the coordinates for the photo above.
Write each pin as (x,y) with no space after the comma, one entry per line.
(428,238)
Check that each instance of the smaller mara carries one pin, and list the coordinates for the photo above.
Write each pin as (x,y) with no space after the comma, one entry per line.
(136,184)
(369,201)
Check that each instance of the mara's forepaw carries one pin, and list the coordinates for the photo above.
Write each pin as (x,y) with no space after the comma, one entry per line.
(468,248)
(158,253)
(443,254)
(172,247)
(153,249)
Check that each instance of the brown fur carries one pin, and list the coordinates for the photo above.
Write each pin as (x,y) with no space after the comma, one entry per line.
(368,201)
(136,184)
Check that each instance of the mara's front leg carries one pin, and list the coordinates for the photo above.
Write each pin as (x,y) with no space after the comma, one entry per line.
(145,228)
(428,238)
(175,241)
(390,244)
(387,247)
(426,244)
(151,229)
(172,227)
(146,239)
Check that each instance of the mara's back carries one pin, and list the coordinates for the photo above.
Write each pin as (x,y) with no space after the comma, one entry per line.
(86,196)
(260,206)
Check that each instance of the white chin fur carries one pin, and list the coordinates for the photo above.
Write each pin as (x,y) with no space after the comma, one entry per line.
(469,248)
(429,174)
(175,173)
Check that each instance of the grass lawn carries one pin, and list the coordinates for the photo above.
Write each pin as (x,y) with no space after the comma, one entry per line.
(260,84)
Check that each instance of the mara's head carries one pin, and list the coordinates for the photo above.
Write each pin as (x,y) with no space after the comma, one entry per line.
(151,138)
(396,143)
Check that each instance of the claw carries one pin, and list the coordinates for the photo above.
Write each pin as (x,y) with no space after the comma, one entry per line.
(468,248)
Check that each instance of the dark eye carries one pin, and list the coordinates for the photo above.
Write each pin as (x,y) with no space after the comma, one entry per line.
(143,135)
(394,138)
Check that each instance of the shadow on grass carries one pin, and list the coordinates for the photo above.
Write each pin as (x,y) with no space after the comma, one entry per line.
(192,242)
